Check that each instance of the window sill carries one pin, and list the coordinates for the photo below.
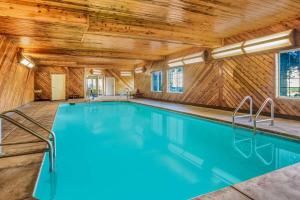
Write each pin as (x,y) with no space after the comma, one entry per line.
(288,98)
(175,92)
(156,91)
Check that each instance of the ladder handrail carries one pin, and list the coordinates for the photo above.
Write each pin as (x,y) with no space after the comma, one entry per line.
(53,139)
(239,107)
(268,100)
(32,132)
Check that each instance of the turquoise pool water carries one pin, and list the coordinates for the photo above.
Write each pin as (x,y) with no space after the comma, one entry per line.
(119,150)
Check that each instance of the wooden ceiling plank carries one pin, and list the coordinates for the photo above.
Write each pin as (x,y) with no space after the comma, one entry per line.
(39,12)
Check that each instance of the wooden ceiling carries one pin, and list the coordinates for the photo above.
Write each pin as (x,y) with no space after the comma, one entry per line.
(124,33)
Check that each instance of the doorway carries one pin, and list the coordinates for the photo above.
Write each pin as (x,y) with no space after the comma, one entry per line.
(94,86)
(109,86)
(58,86)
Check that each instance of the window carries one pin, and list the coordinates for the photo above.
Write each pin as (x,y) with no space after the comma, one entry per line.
(156,81)
(289,74)
(175,80)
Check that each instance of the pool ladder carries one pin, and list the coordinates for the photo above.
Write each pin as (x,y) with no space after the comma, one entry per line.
(256,117)
(249,98)
(271,119)
(50,141)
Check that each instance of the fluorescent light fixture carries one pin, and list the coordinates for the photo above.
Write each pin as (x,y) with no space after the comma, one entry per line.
(126,73)
(139,70)
(275,41)
(96,72)
(194,58)
(269,45)
(30,65)
(227,51)
(175,62)
(269,42)
(26,62)
(275,36)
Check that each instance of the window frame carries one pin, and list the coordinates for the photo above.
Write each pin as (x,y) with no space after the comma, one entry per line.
(168,86)
(277,76)
(160,91)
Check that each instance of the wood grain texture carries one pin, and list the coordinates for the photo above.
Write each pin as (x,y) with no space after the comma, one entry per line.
(123,83)
(225,82)
(42,80)
(16,81)
(130,32)
(76,82)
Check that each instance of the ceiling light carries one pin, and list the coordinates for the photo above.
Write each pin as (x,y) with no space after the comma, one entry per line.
(26,62)
(139,70)
(126,73)
(30,65)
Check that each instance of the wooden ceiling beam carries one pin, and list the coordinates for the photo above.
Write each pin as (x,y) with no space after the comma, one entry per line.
(106,44)
(89,54)
(83,65)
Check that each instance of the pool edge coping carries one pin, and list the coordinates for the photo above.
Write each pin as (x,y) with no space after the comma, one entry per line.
(267,131)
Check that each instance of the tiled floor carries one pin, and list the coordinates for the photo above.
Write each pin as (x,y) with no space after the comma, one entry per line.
(18,174)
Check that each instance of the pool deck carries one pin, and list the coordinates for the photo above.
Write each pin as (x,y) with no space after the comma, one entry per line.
(18,174)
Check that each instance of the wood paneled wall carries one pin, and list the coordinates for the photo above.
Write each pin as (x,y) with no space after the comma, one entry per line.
(123,83)
(16,81)
(225,82)
(42,80)
(74,81)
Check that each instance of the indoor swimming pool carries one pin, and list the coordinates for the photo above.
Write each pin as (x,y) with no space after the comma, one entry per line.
(124,150)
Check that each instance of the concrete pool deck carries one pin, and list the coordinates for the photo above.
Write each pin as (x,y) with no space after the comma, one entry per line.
(18,174)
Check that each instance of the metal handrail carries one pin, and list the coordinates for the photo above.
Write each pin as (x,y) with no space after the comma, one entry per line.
(49,143)
(53,139)
(239,107)
(268,100)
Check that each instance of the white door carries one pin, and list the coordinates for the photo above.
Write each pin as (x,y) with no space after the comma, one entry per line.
(58,86)
(110,86)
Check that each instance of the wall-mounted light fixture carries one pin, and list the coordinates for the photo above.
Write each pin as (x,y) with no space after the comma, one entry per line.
(227,51)
(126,73)
(275,41)
(195,58)
(27,62)
(96,72)
(139,70)
(175,62)
(270,42)
(189,59)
